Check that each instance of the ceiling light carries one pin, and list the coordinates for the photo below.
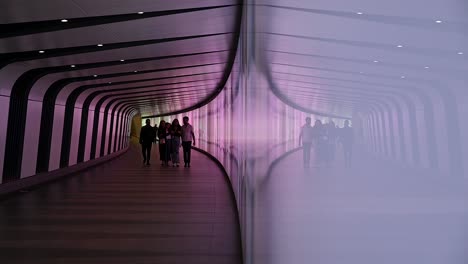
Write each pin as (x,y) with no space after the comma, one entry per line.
(100,45)
(403,77)
(376,61)
(135,71)
(122,60)
(359,13)
(95,75)
(361,72)
(460,53)
(438,21)
(41,51)
(426,67)
(400,46)
(141,13)
(110,82)
(73,66)
(64,20)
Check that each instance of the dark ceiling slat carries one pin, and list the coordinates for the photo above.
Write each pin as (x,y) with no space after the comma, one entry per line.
(27,28)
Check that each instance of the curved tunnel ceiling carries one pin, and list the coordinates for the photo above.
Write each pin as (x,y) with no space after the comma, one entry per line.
(334,59)
(177,52)
(66,65)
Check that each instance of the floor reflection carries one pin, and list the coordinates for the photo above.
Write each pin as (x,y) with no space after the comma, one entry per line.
(369,213)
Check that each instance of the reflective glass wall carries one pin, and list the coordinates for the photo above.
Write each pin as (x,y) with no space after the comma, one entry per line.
(391,187)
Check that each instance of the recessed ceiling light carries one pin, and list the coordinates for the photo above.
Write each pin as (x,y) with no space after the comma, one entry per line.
(141,13)
(359,13)
(135,71)
(376,61)
(95,75)
(122,60)
(100,45)
(73,66)
(460,53)
(400,46)
(403,77)
(64,20)
(426,67)
(110,82)
(438,21)
(41,51)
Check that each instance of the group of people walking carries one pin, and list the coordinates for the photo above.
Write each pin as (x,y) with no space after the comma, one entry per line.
(324,138)
(171,137)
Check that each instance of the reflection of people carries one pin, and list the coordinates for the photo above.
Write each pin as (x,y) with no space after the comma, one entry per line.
(176,133)
(347,139)
(147,137)
(332,136)
(162,141)
(187,137)
(305,140)
(321,141)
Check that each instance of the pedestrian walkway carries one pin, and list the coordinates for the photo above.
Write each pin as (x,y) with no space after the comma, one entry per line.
(125,212)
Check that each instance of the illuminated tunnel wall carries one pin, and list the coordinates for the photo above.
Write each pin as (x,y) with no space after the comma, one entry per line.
(70,84)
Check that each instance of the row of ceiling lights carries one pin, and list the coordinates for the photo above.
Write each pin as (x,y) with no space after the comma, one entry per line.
(95,75)
(359,13)
(402,77)
(73,65)
(437,21)
(43,51)
(401,46)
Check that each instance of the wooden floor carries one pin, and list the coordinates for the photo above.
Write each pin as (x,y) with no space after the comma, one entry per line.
(125,212)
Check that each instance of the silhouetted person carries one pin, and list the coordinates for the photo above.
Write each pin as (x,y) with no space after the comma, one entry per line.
(305,140)
(176,134)
(155,132)
(347,140)
(187,137)
(162,141)
(147,137)
(167,153)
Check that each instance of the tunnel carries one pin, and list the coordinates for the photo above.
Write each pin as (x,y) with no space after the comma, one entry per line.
(316,131)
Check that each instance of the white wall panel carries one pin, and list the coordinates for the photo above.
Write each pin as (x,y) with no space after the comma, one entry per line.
(75,137)
(57,134)
(31,139)
(89,135)
(99,135)
(106,138)
(4,106)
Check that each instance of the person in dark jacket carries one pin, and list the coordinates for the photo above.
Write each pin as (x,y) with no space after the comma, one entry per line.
(147,136)
(167,154)
(162,141)
(176,134)
(155,132)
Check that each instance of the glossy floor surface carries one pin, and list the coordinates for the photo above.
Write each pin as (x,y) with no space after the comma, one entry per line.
(368,213)
(125,212)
